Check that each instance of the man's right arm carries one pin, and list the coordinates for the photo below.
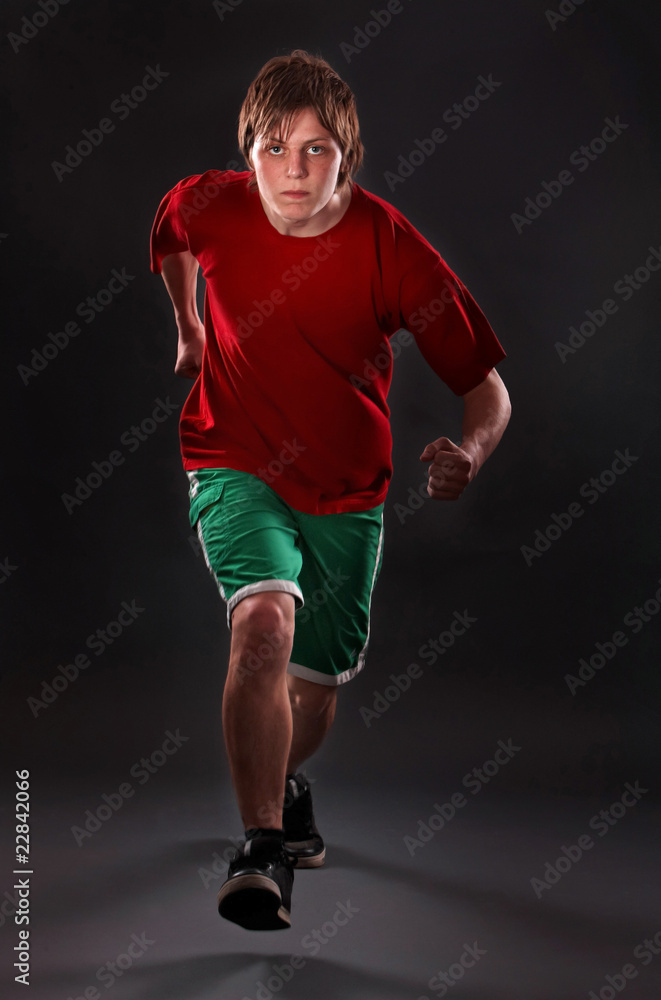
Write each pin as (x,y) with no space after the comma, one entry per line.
(179,272)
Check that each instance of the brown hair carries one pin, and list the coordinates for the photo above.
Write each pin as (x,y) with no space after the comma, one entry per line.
(287,84)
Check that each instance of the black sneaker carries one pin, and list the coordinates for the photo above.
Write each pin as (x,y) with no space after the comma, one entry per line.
(303,842)
(257,892)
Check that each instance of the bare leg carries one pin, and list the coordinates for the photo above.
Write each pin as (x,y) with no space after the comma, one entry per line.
(313,711)
(257,713)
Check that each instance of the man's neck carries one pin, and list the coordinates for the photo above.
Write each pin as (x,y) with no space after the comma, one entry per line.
(320,223)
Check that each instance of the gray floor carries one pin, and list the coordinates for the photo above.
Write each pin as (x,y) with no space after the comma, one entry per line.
(379,920)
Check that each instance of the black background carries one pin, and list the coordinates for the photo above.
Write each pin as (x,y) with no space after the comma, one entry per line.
(130,540)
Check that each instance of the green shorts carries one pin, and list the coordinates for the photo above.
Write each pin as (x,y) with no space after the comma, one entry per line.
(253,541)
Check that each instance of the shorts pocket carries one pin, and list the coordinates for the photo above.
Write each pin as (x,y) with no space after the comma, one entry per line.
(206,496)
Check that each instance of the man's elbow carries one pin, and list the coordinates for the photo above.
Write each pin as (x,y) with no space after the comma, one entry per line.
(503,395)
(490,401)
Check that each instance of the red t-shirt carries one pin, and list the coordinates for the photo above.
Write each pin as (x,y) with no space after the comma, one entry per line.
(289,390)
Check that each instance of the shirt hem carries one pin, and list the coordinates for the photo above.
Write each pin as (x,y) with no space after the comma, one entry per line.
(293,497)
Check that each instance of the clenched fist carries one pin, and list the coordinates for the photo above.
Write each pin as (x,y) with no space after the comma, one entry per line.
(451,469)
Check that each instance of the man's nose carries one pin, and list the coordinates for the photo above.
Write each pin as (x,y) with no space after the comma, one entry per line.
(296,167)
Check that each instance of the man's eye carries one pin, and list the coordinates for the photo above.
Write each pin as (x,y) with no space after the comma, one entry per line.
(320,149)
(274,149)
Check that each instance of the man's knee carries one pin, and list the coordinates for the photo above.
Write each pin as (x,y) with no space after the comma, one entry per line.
(262,631)
(269,611)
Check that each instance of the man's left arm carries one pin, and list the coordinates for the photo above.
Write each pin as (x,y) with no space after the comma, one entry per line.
(486,414)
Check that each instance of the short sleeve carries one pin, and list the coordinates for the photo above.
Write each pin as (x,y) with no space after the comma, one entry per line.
(451,331)
(168,233)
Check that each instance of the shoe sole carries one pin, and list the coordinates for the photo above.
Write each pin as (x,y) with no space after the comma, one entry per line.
(316,861)
(254,903)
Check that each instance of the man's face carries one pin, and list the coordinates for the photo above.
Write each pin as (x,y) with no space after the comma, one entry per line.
(297,178)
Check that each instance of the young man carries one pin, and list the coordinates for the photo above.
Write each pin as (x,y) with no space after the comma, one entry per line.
(286,437)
